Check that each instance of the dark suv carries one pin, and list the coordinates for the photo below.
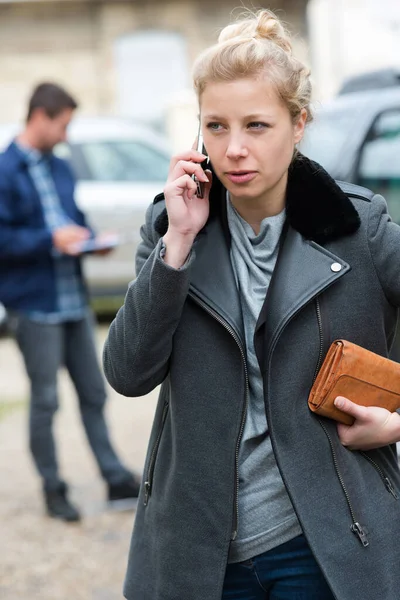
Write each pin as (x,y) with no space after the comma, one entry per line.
(356,137)
(373,80)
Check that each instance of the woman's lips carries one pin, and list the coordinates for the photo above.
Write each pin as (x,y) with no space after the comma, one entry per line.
(241,176)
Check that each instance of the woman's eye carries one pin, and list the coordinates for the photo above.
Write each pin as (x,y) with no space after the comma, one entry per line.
(214,126)
(258,125)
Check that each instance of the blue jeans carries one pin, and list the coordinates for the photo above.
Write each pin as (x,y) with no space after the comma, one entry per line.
(45,349)
(288,572)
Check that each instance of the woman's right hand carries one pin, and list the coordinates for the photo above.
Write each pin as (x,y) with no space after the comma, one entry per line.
(187,214)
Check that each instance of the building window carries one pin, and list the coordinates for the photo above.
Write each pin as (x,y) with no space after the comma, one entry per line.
(152,66)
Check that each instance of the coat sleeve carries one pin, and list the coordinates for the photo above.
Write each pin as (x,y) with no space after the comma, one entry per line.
(18,242)
(139,343)
(384,243)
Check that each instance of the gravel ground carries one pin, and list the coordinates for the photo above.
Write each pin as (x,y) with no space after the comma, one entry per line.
(42,558)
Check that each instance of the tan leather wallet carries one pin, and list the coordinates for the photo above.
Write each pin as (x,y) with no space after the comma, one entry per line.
(357,374)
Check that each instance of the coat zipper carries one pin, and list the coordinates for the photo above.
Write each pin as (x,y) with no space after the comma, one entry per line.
(321,338)
(355,527)
(387,482)
(232,332)
(150,471)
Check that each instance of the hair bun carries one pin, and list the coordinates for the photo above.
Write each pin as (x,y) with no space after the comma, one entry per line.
(263,25)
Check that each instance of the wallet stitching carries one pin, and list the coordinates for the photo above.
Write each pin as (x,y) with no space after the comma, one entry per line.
(368,383)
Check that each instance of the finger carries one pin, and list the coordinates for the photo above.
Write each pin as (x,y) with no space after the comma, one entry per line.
(186,183)
(189,167)
(78,233)
(76,228)
(83,234)
(344,432)
(189,155)
(349,407)
(78,237)
(86,232)
(71,250)
(207,186)
(181,185)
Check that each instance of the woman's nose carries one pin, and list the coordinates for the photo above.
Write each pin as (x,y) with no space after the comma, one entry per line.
(236,149)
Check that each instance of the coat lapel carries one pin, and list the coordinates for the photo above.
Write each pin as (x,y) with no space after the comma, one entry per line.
(318,211)
(303,270)
(212,277)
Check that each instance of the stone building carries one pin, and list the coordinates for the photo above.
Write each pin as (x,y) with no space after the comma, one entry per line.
(117,56)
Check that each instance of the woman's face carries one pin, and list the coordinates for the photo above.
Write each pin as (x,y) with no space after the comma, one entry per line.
(249,135)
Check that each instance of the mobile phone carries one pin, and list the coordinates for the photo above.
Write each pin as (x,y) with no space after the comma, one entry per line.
(200,148)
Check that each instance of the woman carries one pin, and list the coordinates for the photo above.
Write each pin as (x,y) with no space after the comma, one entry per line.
(246,493)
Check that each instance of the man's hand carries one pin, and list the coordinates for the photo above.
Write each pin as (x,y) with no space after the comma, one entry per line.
(106,237)
(64,238)
(373,426)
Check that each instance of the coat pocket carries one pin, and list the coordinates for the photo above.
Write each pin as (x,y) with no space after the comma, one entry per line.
(148,484)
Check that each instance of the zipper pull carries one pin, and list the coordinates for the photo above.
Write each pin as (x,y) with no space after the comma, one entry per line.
(390,488)
(147,490)
(360,533)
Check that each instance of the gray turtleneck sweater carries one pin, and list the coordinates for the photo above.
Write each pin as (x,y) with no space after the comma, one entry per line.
(266,515)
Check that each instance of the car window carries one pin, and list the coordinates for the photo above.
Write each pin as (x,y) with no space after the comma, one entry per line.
(325,137)
(124,161)
(113,161)
(379,166)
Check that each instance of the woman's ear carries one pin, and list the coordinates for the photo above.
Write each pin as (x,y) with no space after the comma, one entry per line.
(299,126)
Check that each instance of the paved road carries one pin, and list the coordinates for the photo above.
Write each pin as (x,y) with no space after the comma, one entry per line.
(43,559)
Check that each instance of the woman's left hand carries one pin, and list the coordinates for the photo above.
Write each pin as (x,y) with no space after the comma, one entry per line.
(373,426)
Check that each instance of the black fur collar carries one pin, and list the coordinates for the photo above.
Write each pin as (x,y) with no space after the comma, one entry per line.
(315,205)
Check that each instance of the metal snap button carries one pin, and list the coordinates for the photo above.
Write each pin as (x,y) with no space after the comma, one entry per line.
(336,267)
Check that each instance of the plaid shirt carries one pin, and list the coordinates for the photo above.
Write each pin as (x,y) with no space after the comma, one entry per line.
(71,297)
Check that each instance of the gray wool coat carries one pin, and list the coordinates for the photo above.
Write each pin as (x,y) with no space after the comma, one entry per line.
(183,329)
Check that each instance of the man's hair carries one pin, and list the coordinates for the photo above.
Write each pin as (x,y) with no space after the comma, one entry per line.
(52,98)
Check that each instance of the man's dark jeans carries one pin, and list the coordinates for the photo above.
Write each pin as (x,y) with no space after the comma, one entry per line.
(288,572)
(45,348)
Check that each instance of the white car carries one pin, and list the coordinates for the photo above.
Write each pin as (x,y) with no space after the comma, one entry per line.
(120,166)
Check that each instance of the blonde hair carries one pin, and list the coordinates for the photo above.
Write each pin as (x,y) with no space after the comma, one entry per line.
(254,46)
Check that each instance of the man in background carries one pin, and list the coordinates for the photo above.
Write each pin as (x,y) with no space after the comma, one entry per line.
(41,283)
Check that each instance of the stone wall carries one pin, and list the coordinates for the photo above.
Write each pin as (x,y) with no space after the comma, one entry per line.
(71,42)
